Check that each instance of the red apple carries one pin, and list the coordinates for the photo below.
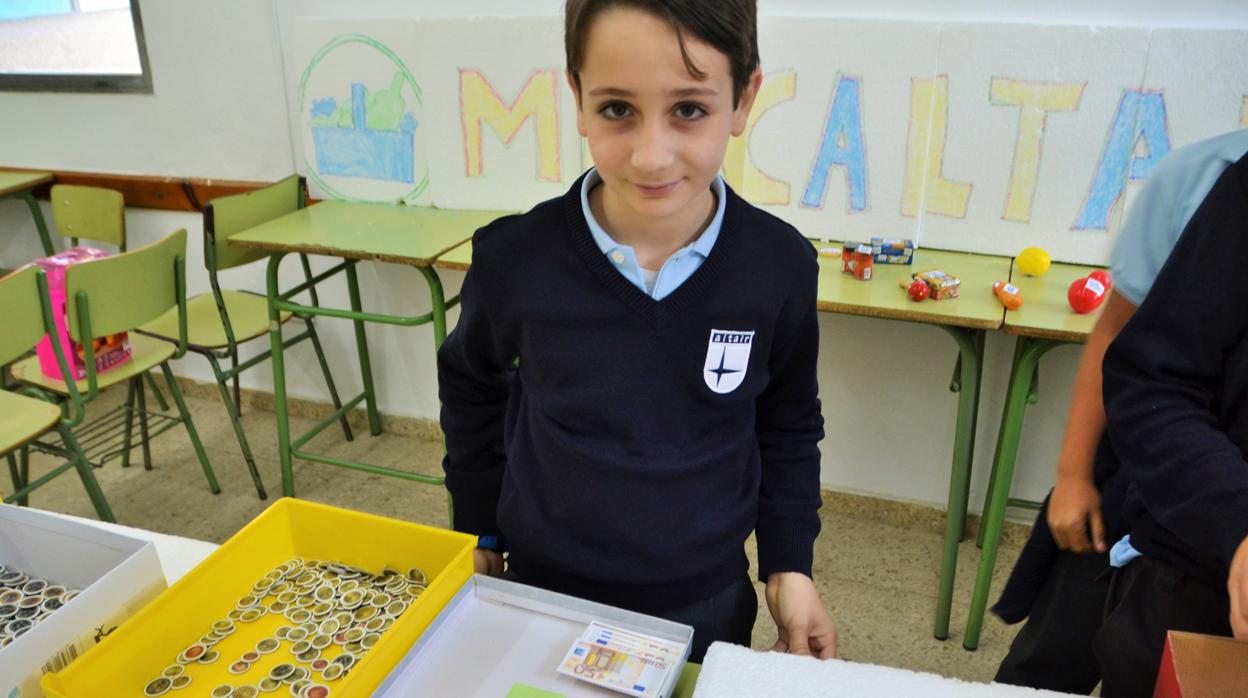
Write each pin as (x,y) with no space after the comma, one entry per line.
(1086,295)
(918,290)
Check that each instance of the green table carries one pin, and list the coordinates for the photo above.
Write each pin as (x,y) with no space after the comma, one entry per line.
(355,232)
(966,319)
(1043,322)
(21,185)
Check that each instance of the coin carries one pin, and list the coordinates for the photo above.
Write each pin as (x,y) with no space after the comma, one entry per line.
(268,646)
(246,692)
(332,672)
(239,667)
(316,690)
(223,691)
(267,685)
(181,682)
(209,657)
(158,687)
(281,671)
(173,671)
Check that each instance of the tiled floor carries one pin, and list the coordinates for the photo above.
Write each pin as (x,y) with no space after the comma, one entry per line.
(877,576)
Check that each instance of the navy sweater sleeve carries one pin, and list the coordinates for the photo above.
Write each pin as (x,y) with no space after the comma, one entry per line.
(475,368)
(789,427)
(1163,372)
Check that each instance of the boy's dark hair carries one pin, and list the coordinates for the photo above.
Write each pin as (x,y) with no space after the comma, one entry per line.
(730,26)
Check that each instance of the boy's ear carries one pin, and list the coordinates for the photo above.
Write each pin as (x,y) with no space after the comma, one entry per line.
(580,111)
(742,113)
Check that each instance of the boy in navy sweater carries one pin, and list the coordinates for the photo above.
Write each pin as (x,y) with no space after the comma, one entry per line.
(1174,385)
(630,390)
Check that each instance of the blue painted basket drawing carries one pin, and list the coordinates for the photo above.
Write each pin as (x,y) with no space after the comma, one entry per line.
(362,152)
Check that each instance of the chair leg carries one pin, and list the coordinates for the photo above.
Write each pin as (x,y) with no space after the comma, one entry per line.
(87,474)
(24,465)
(141,390)
(190,429)
(231,408)
(160,397)
(329,380)
(129,428)
(16,476)
(238,392)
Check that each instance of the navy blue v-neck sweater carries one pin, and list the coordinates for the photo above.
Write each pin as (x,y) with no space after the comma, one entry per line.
(1176,393)
(624,447)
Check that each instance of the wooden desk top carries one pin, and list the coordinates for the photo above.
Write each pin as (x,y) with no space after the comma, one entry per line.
(884,297)
(12,181)
(1045,313)
(459,258)
(382,232)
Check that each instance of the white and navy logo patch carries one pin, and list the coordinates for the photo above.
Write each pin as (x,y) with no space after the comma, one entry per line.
(727,357)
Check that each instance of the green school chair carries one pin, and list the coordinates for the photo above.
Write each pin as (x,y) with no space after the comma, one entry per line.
(97,214)
(116,294)
(218,322)
(26,417)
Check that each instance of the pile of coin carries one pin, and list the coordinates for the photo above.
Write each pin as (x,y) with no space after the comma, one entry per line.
(334,615)
(26,600)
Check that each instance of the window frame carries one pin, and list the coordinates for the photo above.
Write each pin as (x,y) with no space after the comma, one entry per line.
(101,83)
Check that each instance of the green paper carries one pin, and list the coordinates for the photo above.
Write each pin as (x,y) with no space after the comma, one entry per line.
(519,690)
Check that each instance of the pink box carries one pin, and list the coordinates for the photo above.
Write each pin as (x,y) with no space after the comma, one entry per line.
(110,351)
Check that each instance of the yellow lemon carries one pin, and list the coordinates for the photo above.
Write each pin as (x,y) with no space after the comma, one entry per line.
(1033,261)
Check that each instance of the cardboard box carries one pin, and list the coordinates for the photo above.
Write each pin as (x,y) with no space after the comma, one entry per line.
(498,638)
(892,251)
(117,575)
(1202,666)
(151,639)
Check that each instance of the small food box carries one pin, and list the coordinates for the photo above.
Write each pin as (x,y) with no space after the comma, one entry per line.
(110,351)
(1195,666)
(892,251)
(166,640)
(944,285)
(856,260)
(115,574)
(499,638)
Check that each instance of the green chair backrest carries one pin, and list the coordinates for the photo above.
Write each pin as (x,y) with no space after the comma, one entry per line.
(129,289)
(228,215)
(23,313)
(89,213)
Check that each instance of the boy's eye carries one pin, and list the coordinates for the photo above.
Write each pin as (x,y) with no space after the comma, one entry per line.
(689,111)
(614,110)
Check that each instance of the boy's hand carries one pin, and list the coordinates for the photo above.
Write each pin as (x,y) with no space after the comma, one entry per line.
(1074,507)
(1237,586)
(487,562)
(804,625)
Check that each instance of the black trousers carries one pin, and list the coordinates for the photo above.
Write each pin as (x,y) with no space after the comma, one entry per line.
(727,616)
(1053,650)
(1147,598)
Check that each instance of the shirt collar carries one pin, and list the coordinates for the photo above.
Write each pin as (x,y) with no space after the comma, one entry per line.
(702,246)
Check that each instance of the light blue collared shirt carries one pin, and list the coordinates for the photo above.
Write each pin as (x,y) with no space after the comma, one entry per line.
(678,267)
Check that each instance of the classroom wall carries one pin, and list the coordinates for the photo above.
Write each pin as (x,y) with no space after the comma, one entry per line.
(219,110)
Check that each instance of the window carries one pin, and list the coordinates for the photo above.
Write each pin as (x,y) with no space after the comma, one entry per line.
(72,46)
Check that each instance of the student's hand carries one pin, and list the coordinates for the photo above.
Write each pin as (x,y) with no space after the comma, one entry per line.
(1074,507)
(487,562)
(1237,585)
(804,625)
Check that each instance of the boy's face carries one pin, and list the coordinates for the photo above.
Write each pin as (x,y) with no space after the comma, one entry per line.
(657,134)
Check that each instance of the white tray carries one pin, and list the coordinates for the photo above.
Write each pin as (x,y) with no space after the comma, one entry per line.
(494,634)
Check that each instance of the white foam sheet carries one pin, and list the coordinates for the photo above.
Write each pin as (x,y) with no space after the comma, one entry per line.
(730,671)
(495,634)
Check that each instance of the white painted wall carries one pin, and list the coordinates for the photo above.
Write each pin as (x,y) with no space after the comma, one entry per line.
(219,110)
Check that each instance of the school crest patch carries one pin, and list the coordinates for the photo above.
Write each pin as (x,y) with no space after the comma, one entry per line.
(727,357)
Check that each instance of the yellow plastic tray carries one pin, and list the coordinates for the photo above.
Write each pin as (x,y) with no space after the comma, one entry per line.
(150,640)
